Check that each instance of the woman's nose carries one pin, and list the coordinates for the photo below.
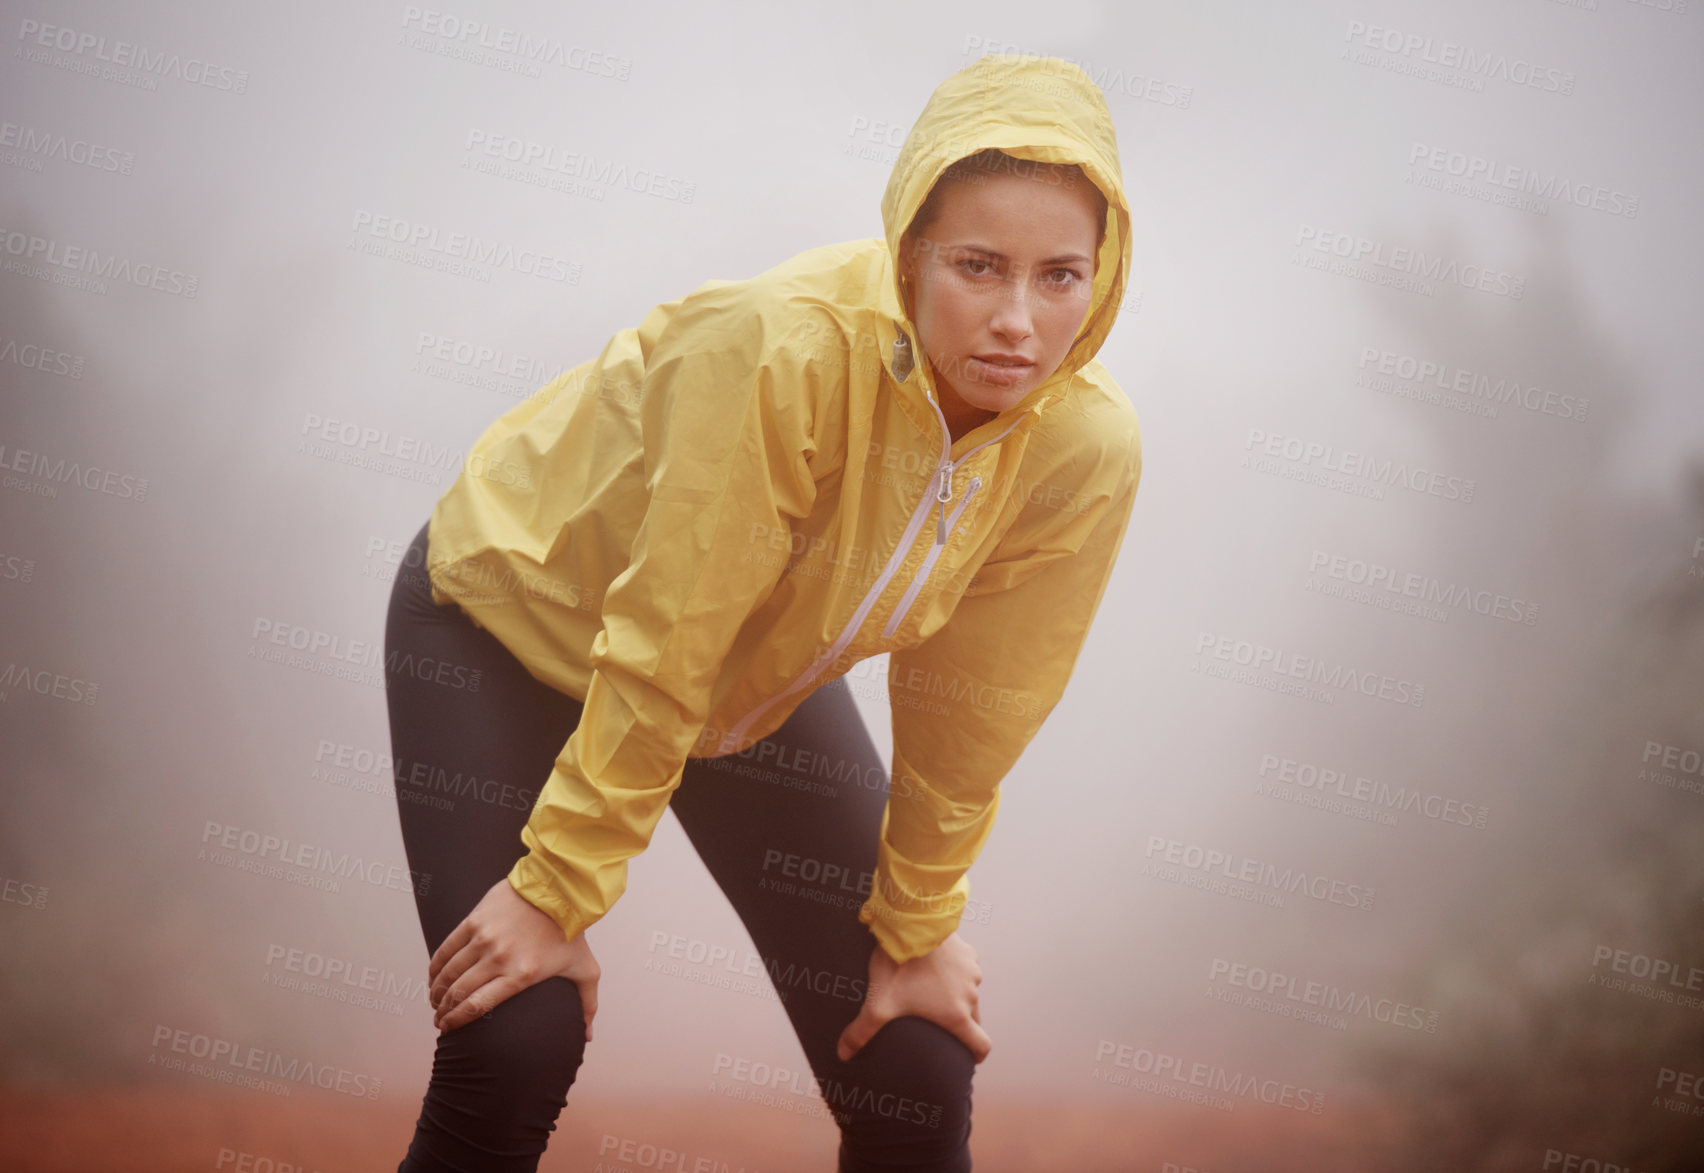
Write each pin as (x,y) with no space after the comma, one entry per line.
(1012,317)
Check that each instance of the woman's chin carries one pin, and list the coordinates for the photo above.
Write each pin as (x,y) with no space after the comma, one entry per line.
(988,396)
(998,399)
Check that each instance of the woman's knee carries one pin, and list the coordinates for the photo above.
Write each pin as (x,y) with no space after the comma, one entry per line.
(499,1083)
(906,1100)
(520,1058)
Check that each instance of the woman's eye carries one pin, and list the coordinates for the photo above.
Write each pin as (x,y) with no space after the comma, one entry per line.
(1064,278)
(967,262)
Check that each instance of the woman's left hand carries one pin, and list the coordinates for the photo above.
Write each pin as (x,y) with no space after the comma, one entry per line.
(502,947)
(939,986)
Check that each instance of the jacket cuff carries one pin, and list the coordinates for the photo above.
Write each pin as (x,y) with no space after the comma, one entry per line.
(532,880)
(908,928)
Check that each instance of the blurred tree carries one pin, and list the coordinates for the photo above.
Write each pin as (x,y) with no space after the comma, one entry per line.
(1540,1055)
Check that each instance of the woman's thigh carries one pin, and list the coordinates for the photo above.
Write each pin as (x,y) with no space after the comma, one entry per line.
(789,831)
(474,736)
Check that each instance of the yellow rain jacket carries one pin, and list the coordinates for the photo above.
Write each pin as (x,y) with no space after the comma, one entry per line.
(754,489)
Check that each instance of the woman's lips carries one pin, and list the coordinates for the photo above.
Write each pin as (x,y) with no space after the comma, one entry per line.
(1002,372)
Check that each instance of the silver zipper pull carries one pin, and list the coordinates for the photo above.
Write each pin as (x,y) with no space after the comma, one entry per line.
(943,495)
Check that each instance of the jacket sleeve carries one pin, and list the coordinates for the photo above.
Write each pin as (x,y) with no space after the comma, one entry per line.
(971,697)
(720,456)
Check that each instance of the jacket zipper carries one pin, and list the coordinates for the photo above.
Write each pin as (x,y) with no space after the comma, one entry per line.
(943,480)
(922,574)
(943,525)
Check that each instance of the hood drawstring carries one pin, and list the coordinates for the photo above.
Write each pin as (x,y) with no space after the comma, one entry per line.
(902,361)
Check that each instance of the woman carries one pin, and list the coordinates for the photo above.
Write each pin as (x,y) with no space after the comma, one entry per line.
(644,586)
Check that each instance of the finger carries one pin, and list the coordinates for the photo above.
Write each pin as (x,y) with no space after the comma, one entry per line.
(588,1001)
(973,1036)
(457,992)
(459,936)
(484,998)
(453,970)
(476,1004)
(858,1032)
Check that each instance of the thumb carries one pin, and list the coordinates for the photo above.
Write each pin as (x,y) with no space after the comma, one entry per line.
(859,1031)
(588,1002)
(973,1036)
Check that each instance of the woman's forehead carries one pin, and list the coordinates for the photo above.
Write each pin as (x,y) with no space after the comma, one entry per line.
(1018,207)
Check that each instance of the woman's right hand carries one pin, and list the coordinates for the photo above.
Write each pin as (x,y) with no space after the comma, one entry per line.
(940,986)
(499,949)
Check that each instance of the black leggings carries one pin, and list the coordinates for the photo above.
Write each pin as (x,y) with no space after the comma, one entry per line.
(762,821)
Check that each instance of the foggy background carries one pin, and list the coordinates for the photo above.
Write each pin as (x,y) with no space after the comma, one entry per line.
(1518,858)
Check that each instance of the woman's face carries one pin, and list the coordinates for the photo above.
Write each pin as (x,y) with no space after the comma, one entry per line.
(1003,273)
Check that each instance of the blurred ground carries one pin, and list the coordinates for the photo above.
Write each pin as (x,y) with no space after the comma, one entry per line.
(167,1130)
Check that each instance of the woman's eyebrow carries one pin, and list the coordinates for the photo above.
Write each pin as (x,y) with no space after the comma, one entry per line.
(1062,258)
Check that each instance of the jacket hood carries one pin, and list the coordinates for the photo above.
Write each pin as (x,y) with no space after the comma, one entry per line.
(1045,109)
